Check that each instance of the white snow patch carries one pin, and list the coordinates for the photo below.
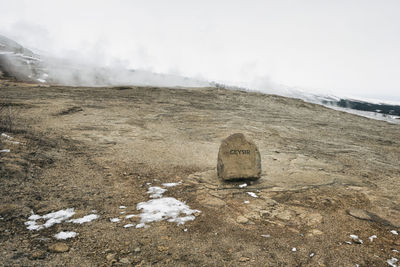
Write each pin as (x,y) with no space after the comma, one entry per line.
(65,235)
(252,194)
(41,80)
(266,236)
(348,242)
(115,219)
(6,136)
(166,208)
(392,262)
(395,250)
(294,249)
(185,230)
(156,191)
(122,207)
(356,238)
(312,255)
(242,185)
(85,219)
(130,216)
(52,218)
(246,202)
(372,237)
(128,225)
(122,212)
(171,184)
(5,150)
(394,232)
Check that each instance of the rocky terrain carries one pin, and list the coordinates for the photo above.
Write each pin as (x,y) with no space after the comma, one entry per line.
(328,195)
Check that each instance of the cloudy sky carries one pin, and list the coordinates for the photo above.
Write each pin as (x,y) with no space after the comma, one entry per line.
(342,47)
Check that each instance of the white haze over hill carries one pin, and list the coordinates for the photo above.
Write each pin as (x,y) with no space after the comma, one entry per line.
(345,48)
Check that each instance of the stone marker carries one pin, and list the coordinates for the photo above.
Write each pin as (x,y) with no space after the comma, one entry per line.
(238,159)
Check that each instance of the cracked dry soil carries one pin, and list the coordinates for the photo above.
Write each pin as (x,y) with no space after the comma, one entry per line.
(326,175)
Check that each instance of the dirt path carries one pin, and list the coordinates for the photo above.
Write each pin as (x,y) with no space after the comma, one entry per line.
(326,175)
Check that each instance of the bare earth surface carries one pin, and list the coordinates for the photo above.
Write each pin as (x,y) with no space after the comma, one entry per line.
(326,175)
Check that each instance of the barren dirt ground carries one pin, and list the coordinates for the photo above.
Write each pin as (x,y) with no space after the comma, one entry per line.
(326,175)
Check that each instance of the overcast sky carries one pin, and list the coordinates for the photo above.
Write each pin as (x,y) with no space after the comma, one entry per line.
(343,47)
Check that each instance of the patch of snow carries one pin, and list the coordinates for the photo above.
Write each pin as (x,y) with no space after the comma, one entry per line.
(266,236)
(93,211)
(372,237)
(5,150)
(395,250)
(85,219)
(356,238)
(312,255)
(6,136)
(171,184)
(51,219)
(156,191)
(392,262)
(242,185)
(246,202)
(122,212)
(166,208)
(128,225)
(130,216)
(252,194)
(294,249)
(115,219)
(394,232)
(122,207)
(185,230)
(348,242)
(65,235)
(41,80)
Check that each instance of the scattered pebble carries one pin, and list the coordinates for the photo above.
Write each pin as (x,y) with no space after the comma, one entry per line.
(242,185)
(372,237)
(185,230)
(294,249)
(348,242)
(125,261)
(128,225)
(115,219)
(58,247)
(394,232)
(266,236)
(244,259)
(312,255)
(246,202)
(122,212)
(122,207)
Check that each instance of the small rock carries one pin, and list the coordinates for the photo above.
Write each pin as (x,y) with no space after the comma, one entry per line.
(314,232)
(244,259)
(38,255)
(125,261)
(242,219)
(162,248)
(137,250)
(58,247)
(110,257)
